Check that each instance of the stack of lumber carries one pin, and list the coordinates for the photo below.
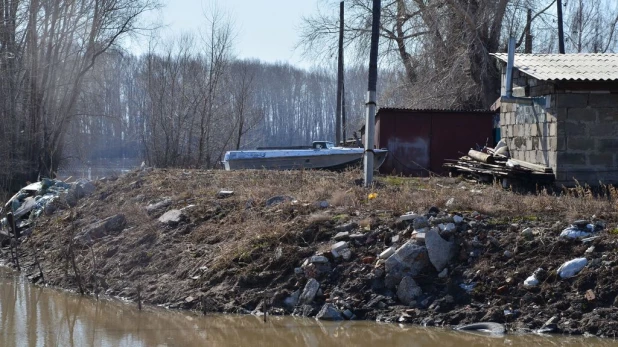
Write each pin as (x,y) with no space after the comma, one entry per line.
(486,167)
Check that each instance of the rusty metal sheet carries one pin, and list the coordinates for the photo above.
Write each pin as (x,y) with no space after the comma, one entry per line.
(408,141)
(452,135)
(419,141)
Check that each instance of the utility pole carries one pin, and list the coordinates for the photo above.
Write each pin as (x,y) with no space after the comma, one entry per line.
(560,30)
(528,44)
(370,106)
(339,78)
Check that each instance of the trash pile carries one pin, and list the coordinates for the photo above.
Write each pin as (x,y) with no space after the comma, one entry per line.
(37,198)
(495,163)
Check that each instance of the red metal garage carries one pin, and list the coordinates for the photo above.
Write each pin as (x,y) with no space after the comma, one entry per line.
(419,141)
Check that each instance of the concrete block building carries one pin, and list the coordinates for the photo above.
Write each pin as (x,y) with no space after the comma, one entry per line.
(572,126)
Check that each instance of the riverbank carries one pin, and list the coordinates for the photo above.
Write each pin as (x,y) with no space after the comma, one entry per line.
(317,243)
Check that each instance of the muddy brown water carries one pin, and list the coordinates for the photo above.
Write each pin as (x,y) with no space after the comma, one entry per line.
(36,316)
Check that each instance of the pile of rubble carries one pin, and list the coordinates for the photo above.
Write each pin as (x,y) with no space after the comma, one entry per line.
(43,197)
(495,164)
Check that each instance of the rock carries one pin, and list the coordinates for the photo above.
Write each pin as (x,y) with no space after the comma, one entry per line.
(348,314)
(346,227)
(508,254)
(329,312)
(582,223)
(173,217)
(99,229)
(342,236)
(408,290)
(420,222)
(443,273)
(440,251)
(339,246)
(458,219)
(86,186)
(447,228)
(323,204)
(433,211)
(531,281)
(420,238)
(409,260)
(158,206)
(318,259)
(527,232)
(572,267)
(590,250)
(346,254)
(387,253)
(292,300)
(309,292)
(408,216)
(395,239)
(467,287)
(276,200)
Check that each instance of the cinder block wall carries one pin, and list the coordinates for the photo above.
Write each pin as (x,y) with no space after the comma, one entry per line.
(531,132)
(577,136)
(588,137)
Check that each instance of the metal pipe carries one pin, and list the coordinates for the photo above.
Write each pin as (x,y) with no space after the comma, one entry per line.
(509,68)
(370,106)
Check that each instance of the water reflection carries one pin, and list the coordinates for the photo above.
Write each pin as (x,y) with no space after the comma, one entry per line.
(34,316)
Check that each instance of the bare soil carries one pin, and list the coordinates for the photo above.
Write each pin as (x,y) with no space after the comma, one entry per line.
(233,254)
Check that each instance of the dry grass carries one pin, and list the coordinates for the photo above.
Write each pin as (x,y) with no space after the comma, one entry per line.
(242,233)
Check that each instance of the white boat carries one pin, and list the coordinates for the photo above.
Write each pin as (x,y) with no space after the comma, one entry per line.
(321,155)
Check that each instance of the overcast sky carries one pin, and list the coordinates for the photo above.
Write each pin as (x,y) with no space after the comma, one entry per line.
(266,29)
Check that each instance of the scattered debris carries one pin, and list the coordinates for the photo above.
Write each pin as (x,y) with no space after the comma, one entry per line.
(490,165)
(572,267)
(222,194)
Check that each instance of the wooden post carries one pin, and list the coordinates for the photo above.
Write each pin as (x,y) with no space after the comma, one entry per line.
(265,307)
(139,296)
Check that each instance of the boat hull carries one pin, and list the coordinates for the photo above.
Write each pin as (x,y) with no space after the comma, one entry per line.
(324,159)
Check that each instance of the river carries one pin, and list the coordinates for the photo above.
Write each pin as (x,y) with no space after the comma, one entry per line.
(35,316)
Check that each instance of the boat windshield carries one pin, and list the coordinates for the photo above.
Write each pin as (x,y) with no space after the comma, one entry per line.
(322,144)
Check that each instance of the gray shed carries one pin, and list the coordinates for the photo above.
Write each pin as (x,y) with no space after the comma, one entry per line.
(572,126)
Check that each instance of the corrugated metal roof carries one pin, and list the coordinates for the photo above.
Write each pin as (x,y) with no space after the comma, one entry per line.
(576,67)
(432,110)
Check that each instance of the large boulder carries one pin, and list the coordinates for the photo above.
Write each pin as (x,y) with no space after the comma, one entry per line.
(440,251)
(159,206)
(173,217)
(78,190)
(409,260)
(329,312)
(100,229)
(408,290)
(310,291)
